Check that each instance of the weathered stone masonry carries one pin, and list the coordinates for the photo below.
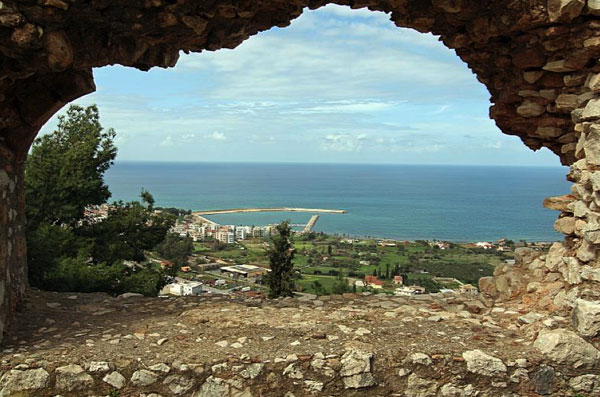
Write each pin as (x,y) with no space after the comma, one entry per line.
(12,237)
(538,59)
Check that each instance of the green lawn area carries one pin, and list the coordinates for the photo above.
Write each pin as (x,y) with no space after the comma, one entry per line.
(460,261)
(306,284)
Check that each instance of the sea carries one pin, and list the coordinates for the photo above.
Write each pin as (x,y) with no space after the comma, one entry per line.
(403,202)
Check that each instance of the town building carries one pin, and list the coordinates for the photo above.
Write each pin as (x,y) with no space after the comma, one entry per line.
(240,233)
(398,280)
(185,289)
(373,282)
(226,237)
(359,284)
(249,272)
(409,290)
(486,245)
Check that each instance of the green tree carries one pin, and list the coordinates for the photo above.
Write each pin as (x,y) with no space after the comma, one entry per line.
(318,288)
(281,254)
(128,230)
(176,249)
(66,250)
(341,285)
(64,172)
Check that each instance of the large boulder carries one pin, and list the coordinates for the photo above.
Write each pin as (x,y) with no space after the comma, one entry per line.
(559,203)
(356,369)
(213,387)
(592,141)
(554,256)
(116,380)
(585,383)
(566,347)
(564,10)
(487,286)
(586,317)
(481,363)
(510,284)
(143,377)
(524,256)
(72,377)
(16,382)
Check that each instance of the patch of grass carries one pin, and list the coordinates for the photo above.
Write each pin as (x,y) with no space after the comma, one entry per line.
(307,284)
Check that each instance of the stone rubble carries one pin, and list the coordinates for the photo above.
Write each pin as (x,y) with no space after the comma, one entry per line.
(472,348)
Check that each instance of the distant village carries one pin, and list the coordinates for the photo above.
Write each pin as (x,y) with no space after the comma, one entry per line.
(200,229)
(229,278)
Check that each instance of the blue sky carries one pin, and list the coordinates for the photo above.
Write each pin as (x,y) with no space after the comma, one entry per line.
(338,85)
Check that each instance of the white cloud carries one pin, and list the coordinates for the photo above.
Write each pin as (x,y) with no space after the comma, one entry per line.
(264,140)
(188,137)
(347,12)
(344,81)
(342,143)
(358,58)
(442,109)
(168,141)
(217,136)
(366,106)
(495,145)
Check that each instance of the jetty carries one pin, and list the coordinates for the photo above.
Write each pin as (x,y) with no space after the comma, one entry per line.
(275,209)
(309,226)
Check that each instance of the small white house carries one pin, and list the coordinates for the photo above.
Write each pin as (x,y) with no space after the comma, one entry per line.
(175,289)
(192,288)
(185,289)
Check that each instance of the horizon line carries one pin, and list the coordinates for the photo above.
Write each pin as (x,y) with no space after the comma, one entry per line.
(335,163)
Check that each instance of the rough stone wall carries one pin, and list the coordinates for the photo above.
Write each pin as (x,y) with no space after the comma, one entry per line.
(13,258)
(538,59)
(567,278)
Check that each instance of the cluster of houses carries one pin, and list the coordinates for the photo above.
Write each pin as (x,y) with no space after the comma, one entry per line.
(96,213)
(408,290)
(500,245)
(227,234)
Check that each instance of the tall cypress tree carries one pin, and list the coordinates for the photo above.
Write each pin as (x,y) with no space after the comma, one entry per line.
(281,254)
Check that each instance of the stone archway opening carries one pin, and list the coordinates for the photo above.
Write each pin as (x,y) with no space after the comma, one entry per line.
(538,59)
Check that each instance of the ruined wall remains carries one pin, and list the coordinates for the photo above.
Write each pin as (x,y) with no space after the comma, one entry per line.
(13,269)
(538,59)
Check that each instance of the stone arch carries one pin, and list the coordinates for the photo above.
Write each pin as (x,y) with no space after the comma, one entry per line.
(537,58)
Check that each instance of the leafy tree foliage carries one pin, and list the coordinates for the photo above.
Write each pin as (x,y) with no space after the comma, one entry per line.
(65,169)
(128,230)
(176,249)
(341,285)
(66,251)
(281,254)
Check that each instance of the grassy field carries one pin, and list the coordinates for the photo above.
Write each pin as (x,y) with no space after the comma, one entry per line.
(323,258)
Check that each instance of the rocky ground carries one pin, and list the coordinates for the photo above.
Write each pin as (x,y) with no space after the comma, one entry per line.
(93,344)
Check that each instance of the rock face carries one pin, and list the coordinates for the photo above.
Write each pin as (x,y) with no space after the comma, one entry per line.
(481,363)
(475,350)
(536,58)
(564,346)
(72,377)
(16,382)
(356,369)
(586,317)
